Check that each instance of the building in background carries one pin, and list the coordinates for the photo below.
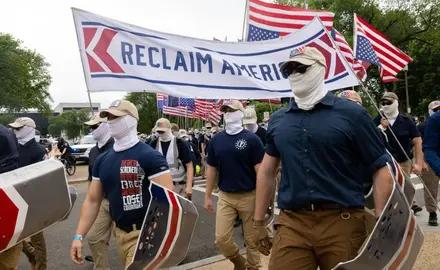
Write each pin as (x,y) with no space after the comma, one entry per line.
(66,106)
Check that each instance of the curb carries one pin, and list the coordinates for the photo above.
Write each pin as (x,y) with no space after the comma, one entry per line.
(203,262)
(76,181)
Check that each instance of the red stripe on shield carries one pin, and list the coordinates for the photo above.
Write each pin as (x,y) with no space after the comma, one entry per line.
(8,219)
(406,245)
(172,231)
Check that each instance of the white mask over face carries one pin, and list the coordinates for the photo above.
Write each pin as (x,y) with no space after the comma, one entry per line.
(176,134)
(392,110)
(24,134)
(166,137)
(233,121)
(308,88)
(101,134)
(251,127)
(124,130)
(431,112)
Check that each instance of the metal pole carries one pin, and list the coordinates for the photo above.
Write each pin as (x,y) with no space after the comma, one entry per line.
(408,109)
(90,102)
(244,30)
(306,6)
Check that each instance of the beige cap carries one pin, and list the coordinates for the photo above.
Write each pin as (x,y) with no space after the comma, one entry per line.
(351,95)
(163,124)
(233,104)
(433,105)
(306,56)
(96,120)
(390,96)
(23,121)
(208,125)
(182,133)
(250,116)
(120,108)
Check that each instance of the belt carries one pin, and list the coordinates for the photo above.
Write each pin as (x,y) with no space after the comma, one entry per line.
(129,228)
(321,206)
(179,183)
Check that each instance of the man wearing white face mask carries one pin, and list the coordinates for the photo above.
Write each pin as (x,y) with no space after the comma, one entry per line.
(250,123)
(407,136)
(324,144)
(177,154)
(235,154)
(30,152)
(100,232)
(123,173)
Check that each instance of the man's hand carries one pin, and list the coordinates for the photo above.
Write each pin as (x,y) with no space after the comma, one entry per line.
(76,252)
(188,192)
(208,205)
(425,167)
(417,169)
(261,238)
(384,123)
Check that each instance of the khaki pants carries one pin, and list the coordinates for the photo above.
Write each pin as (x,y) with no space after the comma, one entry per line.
(39,259)
(10,258)
(407,167)
(99,236)
(308,239)
(431,184)
(228,206)
(126,245)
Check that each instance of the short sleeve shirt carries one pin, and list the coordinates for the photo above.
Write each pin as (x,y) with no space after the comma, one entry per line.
(235,157)
(125,178)
(182,148)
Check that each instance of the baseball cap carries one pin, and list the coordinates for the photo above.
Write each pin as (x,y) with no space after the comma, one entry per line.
(250,116)
(351,95)
(304,55)
(23,121)
(95,120)
(120,107)
(182,133)
(208,125)
(233,104)
(433,105)
(390,96)
(163,124)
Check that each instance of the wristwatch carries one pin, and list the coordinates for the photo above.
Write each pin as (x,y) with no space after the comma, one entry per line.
(78,237)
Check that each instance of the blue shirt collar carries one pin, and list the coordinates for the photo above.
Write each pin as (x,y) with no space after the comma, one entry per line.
(328,100)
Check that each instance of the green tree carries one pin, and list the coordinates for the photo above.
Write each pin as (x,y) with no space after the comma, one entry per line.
(24,77)
(261,107)
(70,122)
(146,103)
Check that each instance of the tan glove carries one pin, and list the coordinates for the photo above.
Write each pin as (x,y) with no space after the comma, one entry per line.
(261,238)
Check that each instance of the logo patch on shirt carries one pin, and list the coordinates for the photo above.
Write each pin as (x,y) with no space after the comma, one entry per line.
(132,177)
(241,144)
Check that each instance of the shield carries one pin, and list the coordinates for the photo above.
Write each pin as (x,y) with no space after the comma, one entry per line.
(73,196)
(396,239)
(166,231)
(32,198)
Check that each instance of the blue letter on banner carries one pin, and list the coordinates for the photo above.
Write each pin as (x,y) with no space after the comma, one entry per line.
(265,71)
(251,67)
(204,60)
(164,59)
(227,66)
(127,52)
(240,68)
(150,57)
(139,55)
(180,62)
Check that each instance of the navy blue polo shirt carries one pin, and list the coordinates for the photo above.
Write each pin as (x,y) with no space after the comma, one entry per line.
(325,152)
(8,150)
(30,153)
(125,178)
(405,130)
(235,157)
(95,152)
(431,143)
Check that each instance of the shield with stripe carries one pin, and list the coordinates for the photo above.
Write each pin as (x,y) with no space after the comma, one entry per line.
(166,231)
(396,239)
(32,198)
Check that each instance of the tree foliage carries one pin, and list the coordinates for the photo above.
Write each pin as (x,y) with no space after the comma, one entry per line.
(24,77)
(413,26)
(69,122)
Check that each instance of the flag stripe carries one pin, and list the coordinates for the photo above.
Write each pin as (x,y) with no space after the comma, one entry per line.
(281,8)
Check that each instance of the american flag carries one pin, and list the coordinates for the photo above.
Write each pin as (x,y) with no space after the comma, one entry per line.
(346,50)
(187,102)
(161,101)
(373,47)
(208,109)
(271,21)
(179,111)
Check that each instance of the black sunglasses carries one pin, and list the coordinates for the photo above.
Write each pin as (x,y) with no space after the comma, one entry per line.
(160,132)
(294,67)
(94,127)
(386,102)
(436,109)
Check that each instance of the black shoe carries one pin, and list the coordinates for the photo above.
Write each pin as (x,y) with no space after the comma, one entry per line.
(237,222)
(416,209)
(89,258)
(433,219)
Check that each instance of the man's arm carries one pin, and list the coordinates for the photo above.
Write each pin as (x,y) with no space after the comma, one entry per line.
(90,207)
(189,174)
(164,179)
(265,185)
(210,178)
(257,168)
(418,150)
(431,143)
(383,187)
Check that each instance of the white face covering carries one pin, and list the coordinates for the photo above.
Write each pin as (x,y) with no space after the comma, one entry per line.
(431,112)
(308,88)
(391,111)
(167,136)
(251,127)
(176,134)
(24,134)
(233,121)
(101,134)
(124,130)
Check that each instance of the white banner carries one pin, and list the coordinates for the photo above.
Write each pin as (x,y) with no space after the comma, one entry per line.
(117,56)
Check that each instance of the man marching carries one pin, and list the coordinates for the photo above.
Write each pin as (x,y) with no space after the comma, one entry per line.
(323,143)
(124,174)
(235,154)
(100,232)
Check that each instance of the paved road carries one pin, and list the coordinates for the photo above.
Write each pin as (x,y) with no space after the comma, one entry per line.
(59,236)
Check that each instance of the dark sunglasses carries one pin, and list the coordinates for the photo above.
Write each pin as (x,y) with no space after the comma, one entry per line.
(94,127)
(386,102)
(436,109)
(160,132)
(294,67)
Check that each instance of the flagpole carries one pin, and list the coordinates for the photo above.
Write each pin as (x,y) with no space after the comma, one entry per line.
(245,18)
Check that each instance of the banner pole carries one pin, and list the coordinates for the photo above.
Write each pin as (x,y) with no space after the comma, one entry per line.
(245,28)
(90,102)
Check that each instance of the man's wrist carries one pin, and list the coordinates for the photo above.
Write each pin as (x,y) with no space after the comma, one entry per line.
(78,237)
(258,222)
